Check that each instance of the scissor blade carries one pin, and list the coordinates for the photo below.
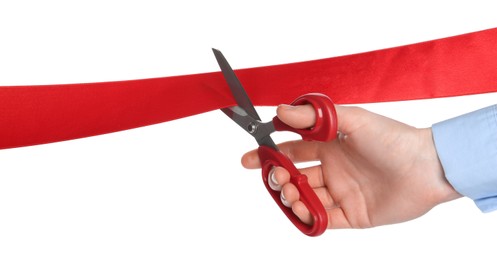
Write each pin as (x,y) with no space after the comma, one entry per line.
(236,87)
(260,131)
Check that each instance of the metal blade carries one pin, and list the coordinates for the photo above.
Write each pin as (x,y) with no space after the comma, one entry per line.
(260,131)
(236,87)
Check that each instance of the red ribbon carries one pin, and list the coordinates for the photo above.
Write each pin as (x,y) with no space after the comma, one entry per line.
(454,66)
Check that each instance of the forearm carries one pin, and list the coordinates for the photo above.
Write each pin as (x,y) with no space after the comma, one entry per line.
(467,148)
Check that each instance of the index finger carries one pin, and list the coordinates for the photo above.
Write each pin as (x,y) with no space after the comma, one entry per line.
(296,151)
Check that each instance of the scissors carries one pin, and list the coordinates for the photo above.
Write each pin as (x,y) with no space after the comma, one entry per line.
(325,129)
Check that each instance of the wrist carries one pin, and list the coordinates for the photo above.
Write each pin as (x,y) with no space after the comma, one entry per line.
(440,189)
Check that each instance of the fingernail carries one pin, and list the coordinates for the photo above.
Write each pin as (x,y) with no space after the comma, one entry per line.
(341,136)
(283,199)
(273,183)
(287,107)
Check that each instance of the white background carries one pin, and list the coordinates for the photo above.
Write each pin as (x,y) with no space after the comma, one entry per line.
(176,190)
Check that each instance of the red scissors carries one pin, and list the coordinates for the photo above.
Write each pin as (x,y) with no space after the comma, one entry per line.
(325,129)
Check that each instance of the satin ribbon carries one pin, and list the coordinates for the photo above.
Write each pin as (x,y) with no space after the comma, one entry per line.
(453,66)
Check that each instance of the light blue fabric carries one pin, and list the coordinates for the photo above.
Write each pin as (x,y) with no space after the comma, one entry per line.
(467,148)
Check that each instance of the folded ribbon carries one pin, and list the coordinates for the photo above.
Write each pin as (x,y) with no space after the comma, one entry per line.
(453,66)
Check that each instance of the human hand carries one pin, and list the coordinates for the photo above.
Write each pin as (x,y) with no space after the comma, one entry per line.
(378,171)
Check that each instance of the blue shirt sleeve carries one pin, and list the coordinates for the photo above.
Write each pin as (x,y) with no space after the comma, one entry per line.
(467,148)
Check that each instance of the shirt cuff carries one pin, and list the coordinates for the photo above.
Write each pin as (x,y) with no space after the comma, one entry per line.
(467,148)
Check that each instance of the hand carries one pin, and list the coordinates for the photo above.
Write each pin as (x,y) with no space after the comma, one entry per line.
(378,171)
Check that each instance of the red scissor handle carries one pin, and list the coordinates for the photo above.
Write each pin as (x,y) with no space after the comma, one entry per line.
(270,158)
(325,128)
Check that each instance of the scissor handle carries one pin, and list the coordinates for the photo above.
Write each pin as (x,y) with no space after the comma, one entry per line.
(270,158)
(325,128)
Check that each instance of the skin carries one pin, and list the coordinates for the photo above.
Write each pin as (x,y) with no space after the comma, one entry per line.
(377,172)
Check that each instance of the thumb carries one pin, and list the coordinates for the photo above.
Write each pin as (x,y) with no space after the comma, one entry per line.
(299,117)
(351,118)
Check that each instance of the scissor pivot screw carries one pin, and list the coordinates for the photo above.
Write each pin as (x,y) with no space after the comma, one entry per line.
(252,128)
